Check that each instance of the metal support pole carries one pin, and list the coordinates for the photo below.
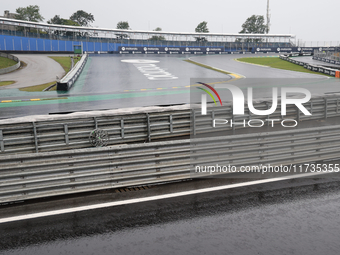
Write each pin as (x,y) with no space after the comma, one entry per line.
(148,127)
(2,146)
(35,137)
(171,124)
(193,122)
(122,128)
(95,122)
(66,134)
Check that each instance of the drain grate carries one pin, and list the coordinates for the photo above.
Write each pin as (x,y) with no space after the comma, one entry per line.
(122,190)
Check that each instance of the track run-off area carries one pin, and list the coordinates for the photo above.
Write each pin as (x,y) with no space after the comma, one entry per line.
(113,81)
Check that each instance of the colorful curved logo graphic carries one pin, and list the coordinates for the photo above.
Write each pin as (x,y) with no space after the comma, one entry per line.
(209,93)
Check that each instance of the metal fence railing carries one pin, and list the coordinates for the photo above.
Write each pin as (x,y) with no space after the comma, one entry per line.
(331,55)
(65,133)
(49,174)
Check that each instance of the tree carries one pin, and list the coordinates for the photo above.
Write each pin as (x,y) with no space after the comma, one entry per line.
(159,37)
(123,25)
(29,13)
(201,28)
(83,18)
(253,25)
(60,21)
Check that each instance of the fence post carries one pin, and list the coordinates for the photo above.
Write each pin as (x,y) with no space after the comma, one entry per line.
(2,146)
(148,127)
(35,137)
(122,128)
(66,134)
(171,124)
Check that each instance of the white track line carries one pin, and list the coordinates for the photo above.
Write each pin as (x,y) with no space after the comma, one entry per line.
(147,199)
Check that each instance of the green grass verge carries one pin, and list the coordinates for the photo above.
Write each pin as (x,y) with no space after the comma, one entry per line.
(206,66)
(6,62)
(37,88)
(65,62)
(5,83)
(276,62)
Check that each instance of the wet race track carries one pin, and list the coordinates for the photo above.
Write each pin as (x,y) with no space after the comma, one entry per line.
(292,217)
(122,81)
(300,220)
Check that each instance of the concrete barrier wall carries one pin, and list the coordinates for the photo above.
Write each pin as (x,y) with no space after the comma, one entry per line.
(11,68)
(315,68)
(70,78)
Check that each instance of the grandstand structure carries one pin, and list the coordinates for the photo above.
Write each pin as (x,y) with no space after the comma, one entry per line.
(41,37)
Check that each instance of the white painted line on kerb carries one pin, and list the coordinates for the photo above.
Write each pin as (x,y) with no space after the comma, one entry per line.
(147,199)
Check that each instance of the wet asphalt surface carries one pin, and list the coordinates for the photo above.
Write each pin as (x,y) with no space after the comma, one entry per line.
(109,83)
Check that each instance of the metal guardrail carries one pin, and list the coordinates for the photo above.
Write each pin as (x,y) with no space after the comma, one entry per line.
(49,174)
(11,68)
(70,78)
(73,133)
(321,69)
(327,56)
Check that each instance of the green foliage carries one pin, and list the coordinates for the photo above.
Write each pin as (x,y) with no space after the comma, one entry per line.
(60,21)
(83,18)
(202,27)
(29,13)
(159,37)
(253,25)
(123,25)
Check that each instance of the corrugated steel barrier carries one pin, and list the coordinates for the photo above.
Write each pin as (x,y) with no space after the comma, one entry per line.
(73,133)
(49,174)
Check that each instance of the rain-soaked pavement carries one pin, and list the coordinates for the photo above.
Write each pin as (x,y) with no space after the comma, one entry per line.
(123,81)
(292,217)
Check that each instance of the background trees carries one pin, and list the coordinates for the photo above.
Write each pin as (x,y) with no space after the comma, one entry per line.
(79,18)
(253,25)
(123,25)
(157,37)
(201,28)
(29,13)
(83,18)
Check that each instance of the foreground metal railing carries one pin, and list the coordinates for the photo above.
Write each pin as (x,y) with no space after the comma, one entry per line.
(64,133)
(49,174)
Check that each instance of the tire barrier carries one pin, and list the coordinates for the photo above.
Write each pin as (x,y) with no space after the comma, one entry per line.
(315,68)
(11,68)
(70,78)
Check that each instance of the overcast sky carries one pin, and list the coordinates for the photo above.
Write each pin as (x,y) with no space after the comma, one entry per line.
(309,20)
